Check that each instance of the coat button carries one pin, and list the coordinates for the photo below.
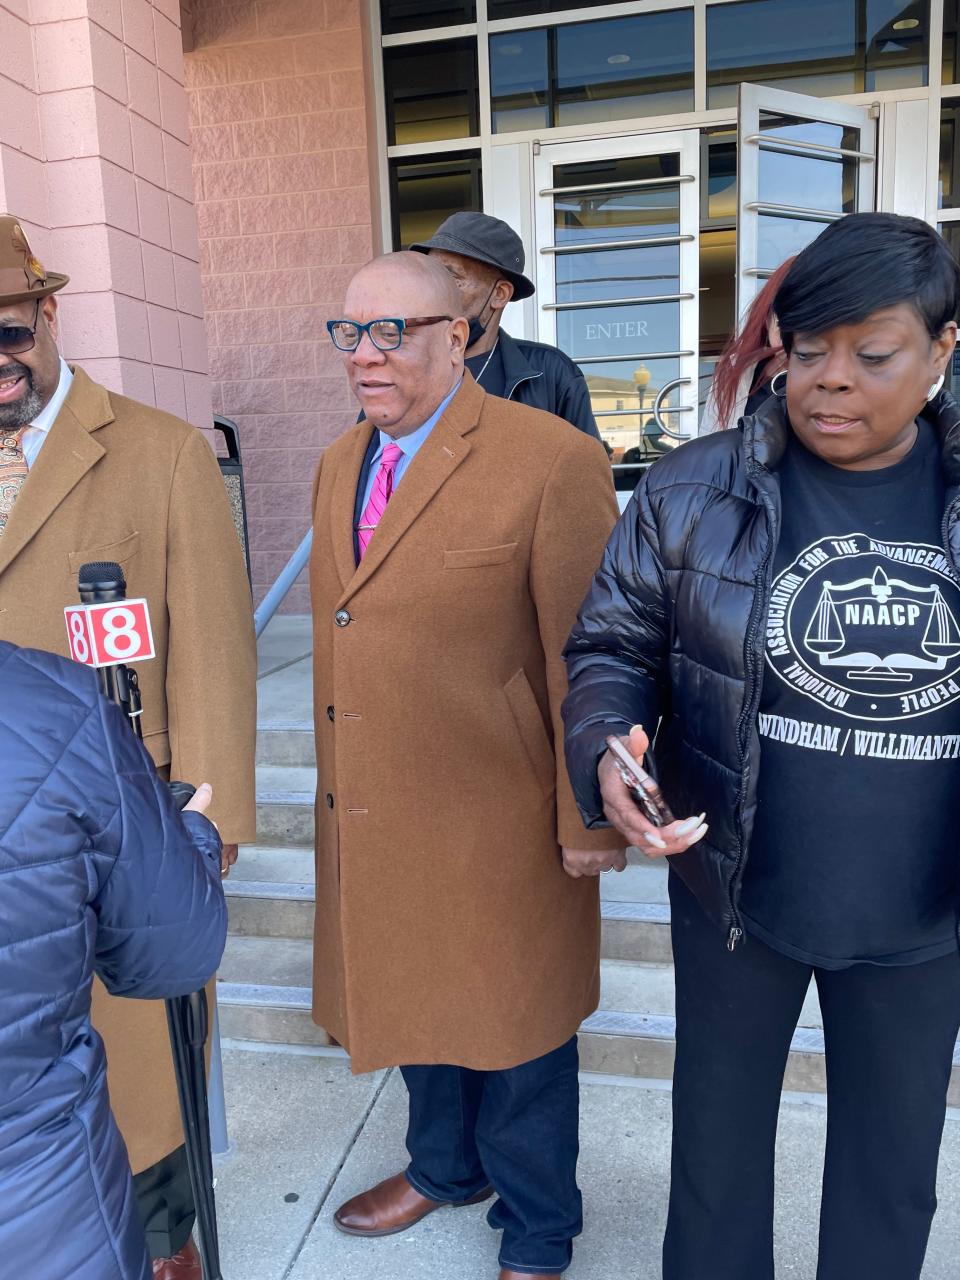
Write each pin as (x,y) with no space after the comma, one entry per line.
(342,618)
(329,800)
(331,714)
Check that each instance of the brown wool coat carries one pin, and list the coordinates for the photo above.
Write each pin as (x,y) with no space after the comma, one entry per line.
(446,928)
(117,480)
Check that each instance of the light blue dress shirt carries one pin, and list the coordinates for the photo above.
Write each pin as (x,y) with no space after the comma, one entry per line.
(408,445)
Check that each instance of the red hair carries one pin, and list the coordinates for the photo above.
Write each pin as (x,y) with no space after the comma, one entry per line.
(748,348)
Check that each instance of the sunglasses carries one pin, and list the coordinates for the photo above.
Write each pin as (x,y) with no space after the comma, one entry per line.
(17,338)
(386,335)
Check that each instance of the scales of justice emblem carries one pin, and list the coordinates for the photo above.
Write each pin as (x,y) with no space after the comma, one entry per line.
(870,630)
(883,629)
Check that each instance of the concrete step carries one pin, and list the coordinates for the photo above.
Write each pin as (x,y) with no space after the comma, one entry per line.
(264,996)
(285,796)
(287,743)
(270,893)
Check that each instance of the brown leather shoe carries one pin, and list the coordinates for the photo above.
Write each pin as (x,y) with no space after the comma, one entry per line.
(184,1265)
(391,1206)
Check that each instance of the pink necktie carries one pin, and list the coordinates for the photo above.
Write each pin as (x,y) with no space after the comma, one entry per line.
(379,496)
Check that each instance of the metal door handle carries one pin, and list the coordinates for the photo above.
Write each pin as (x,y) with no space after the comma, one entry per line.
(661,396)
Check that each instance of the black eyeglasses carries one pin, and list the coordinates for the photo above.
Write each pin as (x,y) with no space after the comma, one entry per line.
(17,338)
(386,335)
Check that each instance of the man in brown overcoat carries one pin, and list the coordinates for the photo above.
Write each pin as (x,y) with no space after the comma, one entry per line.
(88,475)
(457,923)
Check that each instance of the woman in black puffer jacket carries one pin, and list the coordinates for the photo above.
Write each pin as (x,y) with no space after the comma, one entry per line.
(780,605)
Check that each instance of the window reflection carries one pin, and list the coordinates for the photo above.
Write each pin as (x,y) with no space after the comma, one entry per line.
(519,81)
(618,273)
(617,215)
(823,47)
(951,45)
(778,238)
(431,91)
(623,399)
(420,15)
(425,192)
(625,67)
(718,289)
(592,72)
(597,208)
(949,156)
(528,8)
(810,181)
(719,163)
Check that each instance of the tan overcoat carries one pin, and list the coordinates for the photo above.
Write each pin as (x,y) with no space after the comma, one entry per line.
(446,928)
(117,480)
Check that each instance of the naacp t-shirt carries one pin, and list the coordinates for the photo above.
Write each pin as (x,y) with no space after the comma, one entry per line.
(855,847)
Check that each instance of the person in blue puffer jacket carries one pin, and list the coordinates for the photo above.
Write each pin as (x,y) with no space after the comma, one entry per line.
(99,873)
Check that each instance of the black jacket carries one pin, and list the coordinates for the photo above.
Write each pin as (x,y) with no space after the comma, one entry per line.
(545,378)
(671,635)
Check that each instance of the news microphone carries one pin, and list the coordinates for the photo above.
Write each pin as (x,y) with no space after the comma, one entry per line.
(106,631)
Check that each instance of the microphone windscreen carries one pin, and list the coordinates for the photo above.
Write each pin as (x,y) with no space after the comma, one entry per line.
(101,575)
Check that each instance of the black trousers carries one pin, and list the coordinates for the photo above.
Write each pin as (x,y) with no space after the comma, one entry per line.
(165,1203)
(516,1130)
(889,1035)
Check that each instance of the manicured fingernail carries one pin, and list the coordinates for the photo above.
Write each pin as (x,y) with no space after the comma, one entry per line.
(689,825)
(636,727)
(700,832)
(654,840)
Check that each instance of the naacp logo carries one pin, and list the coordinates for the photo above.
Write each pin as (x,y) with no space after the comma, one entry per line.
(870,629)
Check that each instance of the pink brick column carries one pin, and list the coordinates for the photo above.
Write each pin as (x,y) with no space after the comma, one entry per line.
(95,158)
(280,158)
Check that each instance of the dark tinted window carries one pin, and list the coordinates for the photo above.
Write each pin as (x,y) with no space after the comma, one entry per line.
(431,91)
(528,8)
(425,192)
(421,15)
(950,156)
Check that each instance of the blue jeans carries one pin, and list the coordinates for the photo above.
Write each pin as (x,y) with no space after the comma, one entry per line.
(516,1130)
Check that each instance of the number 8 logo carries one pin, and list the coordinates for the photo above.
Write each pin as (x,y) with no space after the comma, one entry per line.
(122,638)
(78,638)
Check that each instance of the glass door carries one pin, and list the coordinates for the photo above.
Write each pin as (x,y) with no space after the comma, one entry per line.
(802,162)
(617,224)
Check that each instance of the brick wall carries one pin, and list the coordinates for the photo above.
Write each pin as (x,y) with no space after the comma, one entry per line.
(94,156)
(280,167)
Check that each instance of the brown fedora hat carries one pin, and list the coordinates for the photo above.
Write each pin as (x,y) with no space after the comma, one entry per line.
(22,277)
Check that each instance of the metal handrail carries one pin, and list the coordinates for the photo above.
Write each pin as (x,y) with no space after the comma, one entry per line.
(618,302)
(287,576)
(637,242)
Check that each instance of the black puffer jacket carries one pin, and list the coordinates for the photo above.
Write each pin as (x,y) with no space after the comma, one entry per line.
(671,635)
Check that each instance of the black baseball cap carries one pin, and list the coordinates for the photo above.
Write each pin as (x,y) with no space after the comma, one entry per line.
(488,239)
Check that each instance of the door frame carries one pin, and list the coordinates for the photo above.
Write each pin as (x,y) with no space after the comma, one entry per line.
(684,142)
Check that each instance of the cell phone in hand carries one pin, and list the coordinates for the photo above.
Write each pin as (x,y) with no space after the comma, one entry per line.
(182,793)
(643,789)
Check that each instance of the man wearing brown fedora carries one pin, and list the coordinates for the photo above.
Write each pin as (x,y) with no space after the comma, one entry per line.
(86,475)
(486,258)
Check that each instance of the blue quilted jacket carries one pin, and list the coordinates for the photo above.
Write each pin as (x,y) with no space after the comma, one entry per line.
(98,874)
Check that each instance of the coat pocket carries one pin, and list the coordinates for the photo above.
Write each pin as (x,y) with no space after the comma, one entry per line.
(121,552)
(473,558)
(526,714)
